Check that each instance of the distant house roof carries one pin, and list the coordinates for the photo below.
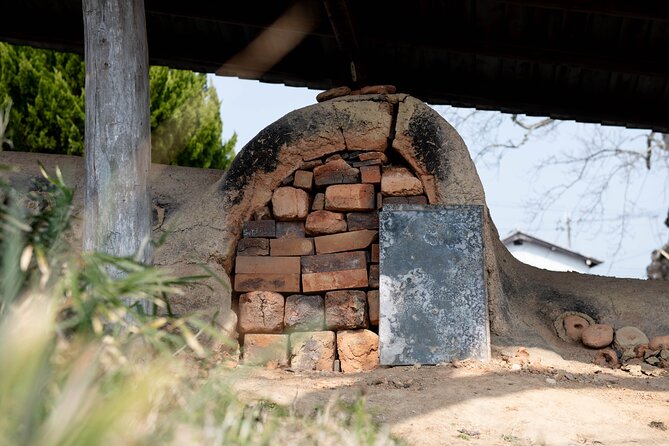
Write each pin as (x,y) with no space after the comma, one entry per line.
(518,238)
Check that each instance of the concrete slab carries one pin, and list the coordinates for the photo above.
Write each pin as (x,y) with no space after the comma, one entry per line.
(432,294)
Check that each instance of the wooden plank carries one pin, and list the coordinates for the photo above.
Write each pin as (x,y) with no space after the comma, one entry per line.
(267,265)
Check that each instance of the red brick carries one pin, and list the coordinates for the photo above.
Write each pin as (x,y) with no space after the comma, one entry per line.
(291,247)
(367,163)
(319,202)
(362,220)
(272,265)
(333,262)
(659,343)
(336,156)
(430,186)
(309,165)
(336,171)
(304,313)
(350,197)
(418,199)
(334,280)
(289,203)
(399,182)
(290,229)
(261,312)
(373,276)
(312,350)
(345,310)
(345,241)
(325,222)
(366,156)
(303,179)
(358,350)
(373,304)
(375,253)
(253,247)
(263,214)
(289,283)
(287,181)
(370,174)
(261,228)
(269,350)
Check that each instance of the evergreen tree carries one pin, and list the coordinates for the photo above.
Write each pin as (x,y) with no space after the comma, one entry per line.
(46,93)
(185,121)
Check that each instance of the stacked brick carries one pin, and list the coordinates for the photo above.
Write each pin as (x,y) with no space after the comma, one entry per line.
(306,270)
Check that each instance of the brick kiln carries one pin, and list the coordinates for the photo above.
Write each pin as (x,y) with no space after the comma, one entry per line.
(298,237)
(290,233)
(306,269)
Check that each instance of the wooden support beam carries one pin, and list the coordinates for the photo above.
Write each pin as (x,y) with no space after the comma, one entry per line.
(347,39)
(118,136)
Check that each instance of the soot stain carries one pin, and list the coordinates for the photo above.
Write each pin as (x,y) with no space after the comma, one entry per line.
(259,155)
(425,132)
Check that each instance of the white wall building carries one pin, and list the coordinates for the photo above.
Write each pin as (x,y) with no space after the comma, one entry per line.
(545,255)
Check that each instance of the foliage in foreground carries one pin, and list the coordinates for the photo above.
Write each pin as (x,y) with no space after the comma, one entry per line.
(80,367)
(46,92)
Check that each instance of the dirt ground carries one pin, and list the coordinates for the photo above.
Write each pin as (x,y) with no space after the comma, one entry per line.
(549,401)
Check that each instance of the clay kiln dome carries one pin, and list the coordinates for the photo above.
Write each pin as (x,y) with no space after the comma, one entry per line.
(407,130)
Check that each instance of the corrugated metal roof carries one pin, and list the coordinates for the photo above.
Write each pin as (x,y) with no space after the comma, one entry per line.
(597,61)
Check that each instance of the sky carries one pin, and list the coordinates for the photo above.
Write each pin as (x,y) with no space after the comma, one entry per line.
(521,196)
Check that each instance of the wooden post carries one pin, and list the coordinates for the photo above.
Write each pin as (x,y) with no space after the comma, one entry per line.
(117,202)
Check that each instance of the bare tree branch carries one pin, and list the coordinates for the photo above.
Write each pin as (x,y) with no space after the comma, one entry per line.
(602,157)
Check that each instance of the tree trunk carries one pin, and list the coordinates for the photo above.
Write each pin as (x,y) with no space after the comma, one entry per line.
(118,136)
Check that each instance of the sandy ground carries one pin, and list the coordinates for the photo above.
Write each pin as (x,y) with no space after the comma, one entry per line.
(549,401)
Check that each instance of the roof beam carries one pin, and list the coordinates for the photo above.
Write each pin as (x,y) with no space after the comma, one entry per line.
(347,39)
(646,10)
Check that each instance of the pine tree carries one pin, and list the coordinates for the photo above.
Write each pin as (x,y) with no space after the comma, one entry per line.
(46,90)
(185,120)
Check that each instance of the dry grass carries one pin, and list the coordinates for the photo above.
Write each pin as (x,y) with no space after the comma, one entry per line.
(81,367)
